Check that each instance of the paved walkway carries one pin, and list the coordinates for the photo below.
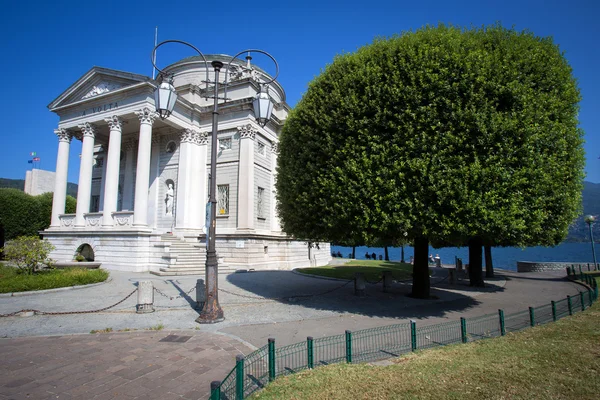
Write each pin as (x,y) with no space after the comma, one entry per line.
(138,364)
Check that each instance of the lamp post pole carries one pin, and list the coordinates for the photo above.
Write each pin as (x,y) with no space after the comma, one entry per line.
(590,219)
(212,311)
(165,98)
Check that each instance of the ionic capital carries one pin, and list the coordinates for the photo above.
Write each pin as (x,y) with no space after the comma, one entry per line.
(63,135)
(114,123)
(88,130)
(146,115)
(247,131)
(191,135)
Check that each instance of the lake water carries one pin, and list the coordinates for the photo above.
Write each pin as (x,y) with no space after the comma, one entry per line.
(503,257)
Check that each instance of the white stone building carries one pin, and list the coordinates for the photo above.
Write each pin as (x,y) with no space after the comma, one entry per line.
(143,181)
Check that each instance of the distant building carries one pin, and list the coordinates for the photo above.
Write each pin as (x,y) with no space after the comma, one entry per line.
(38,181)
(143,182)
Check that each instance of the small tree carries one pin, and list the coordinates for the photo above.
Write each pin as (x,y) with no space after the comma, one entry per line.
(28,253)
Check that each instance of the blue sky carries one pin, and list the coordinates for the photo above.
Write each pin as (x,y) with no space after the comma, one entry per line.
(46,46)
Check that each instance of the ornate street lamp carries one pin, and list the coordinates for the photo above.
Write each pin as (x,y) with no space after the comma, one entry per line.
(165,98)
(590,219)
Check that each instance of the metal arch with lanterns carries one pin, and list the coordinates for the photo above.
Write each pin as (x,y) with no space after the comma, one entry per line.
(165,97)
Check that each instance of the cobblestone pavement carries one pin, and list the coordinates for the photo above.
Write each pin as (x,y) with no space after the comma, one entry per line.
(75,364)
(128,365)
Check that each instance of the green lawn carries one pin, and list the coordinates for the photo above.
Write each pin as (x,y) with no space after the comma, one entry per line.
(13,281)
(372,269)
(556,361)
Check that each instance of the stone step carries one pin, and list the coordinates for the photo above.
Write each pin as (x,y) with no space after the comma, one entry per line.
(188,270)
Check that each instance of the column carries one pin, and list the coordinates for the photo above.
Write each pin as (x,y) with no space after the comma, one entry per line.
(142,176)
(246,178)
(111,178)
(191,180)
(129,148)
(60,182)
(275,224)
(85,173)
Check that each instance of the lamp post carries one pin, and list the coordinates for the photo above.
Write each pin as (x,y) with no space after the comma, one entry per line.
(165,97)
(590,219)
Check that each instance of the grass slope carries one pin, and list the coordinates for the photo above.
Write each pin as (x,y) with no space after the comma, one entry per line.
(556,361)
(372,269)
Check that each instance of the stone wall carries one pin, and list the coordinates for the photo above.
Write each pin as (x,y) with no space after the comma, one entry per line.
(38,181)
(529,266)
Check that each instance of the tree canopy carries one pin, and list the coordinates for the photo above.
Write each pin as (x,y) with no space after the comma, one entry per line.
(442,134)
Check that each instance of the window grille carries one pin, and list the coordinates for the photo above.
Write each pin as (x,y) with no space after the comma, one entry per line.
(260,203)
(222,199)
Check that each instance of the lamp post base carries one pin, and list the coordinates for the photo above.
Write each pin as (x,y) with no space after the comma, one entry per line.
(207,319)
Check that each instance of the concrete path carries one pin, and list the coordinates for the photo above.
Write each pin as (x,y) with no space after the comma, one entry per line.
(304,306)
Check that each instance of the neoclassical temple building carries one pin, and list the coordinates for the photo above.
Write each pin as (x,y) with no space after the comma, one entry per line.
(144,181)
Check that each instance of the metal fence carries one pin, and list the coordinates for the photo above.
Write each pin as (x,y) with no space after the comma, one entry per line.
(262,366)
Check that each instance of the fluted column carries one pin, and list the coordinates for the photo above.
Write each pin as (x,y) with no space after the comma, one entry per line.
(111,180)
(85,173)
(60,183)
(275,224)
(246,178)
(142,176)
(191,180)
(129,148)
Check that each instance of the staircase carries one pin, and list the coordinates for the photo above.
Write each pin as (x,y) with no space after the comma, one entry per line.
(185,258)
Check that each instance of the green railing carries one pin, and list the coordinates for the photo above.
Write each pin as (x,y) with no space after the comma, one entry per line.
(262,366)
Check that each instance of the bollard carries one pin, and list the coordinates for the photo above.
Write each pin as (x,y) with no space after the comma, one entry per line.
(568,271)
(200,294)
(387,281)
(452,276)
(215,390)
(463,330)
(502,325)
(310,352)
(588,267)
(359,284)
(272,371)
(145,298)
(239,377)
(459,264)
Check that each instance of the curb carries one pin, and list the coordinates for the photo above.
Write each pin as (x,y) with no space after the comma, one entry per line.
(62,289)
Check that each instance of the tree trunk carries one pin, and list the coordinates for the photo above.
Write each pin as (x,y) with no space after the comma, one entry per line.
(353,252)
(420,287)
(387,256)
(475,261)
(489,266)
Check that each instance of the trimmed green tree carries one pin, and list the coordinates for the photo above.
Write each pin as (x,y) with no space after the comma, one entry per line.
(450,135)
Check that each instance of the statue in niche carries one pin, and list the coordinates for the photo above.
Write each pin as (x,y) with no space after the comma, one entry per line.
(169,198)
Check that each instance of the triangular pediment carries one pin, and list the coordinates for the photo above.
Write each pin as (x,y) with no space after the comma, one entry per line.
(96,82)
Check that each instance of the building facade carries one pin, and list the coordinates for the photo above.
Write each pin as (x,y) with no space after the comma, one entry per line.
(143,182)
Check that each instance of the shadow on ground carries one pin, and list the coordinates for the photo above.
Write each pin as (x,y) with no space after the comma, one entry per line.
(338,296)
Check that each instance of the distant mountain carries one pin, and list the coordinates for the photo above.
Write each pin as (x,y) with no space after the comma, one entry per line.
(579,230)
(20,184)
